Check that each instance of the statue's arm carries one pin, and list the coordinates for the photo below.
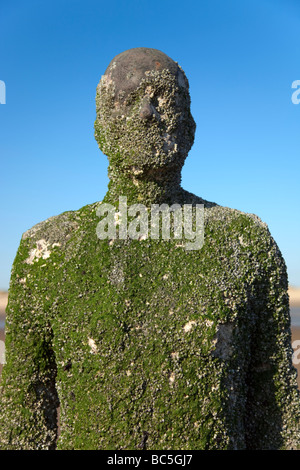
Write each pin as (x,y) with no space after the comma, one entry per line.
(28,398)
(273,404)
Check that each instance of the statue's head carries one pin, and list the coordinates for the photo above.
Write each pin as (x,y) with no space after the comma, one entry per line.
(144,122)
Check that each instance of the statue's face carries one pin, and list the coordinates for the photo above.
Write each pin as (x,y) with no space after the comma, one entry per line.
(147,125)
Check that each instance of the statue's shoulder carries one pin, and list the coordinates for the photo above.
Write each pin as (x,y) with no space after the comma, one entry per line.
(242,232)
(233,221)
(245,245)
(234,218)
(44,249)
(234,230)
(57,231)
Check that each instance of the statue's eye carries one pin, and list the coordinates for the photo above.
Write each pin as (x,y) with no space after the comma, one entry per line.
(130,99)
(155,102)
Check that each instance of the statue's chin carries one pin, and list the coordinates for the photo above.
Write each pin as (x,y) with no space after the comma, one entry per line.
(156,169)
(151,164)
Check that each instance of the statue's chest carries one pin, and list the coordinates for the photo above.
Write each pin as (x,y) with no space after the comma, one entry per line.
(139,278)
(139,290)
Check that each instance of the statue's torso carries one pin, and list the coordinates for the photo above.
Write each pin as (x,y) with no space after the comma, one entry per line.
(151,341)
(148,337)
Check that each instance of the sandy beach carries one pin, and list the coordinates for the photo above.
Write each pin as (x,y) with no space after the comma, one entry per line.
(3,302)
(294,294)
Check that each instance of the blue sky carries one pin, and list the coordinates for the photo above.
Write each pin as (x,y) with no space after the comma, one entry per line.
(241,58)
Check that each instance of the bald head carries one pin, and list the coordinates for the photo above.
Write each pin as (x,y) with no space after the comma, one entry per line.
(143,119)
(129,68)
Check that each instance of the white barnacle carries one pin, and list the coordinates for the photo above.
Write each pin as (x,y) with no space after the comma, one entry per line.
(188,326)
(92,345)
(136,171)
(149,90)
(242,242)
(117,217)
(179,245)
(143,237)
(172,378)
(175,355)
(41,251)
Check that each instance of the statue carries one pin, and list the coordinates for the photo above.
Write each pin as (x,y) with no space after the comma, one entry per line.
(139,342)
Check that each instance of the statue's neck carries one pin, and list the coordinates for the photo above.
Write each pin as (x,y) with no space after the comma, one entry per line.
(155,188)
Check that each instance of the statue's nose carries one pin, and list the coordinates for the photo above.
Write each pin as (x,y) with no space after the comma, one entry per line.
(148,111)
